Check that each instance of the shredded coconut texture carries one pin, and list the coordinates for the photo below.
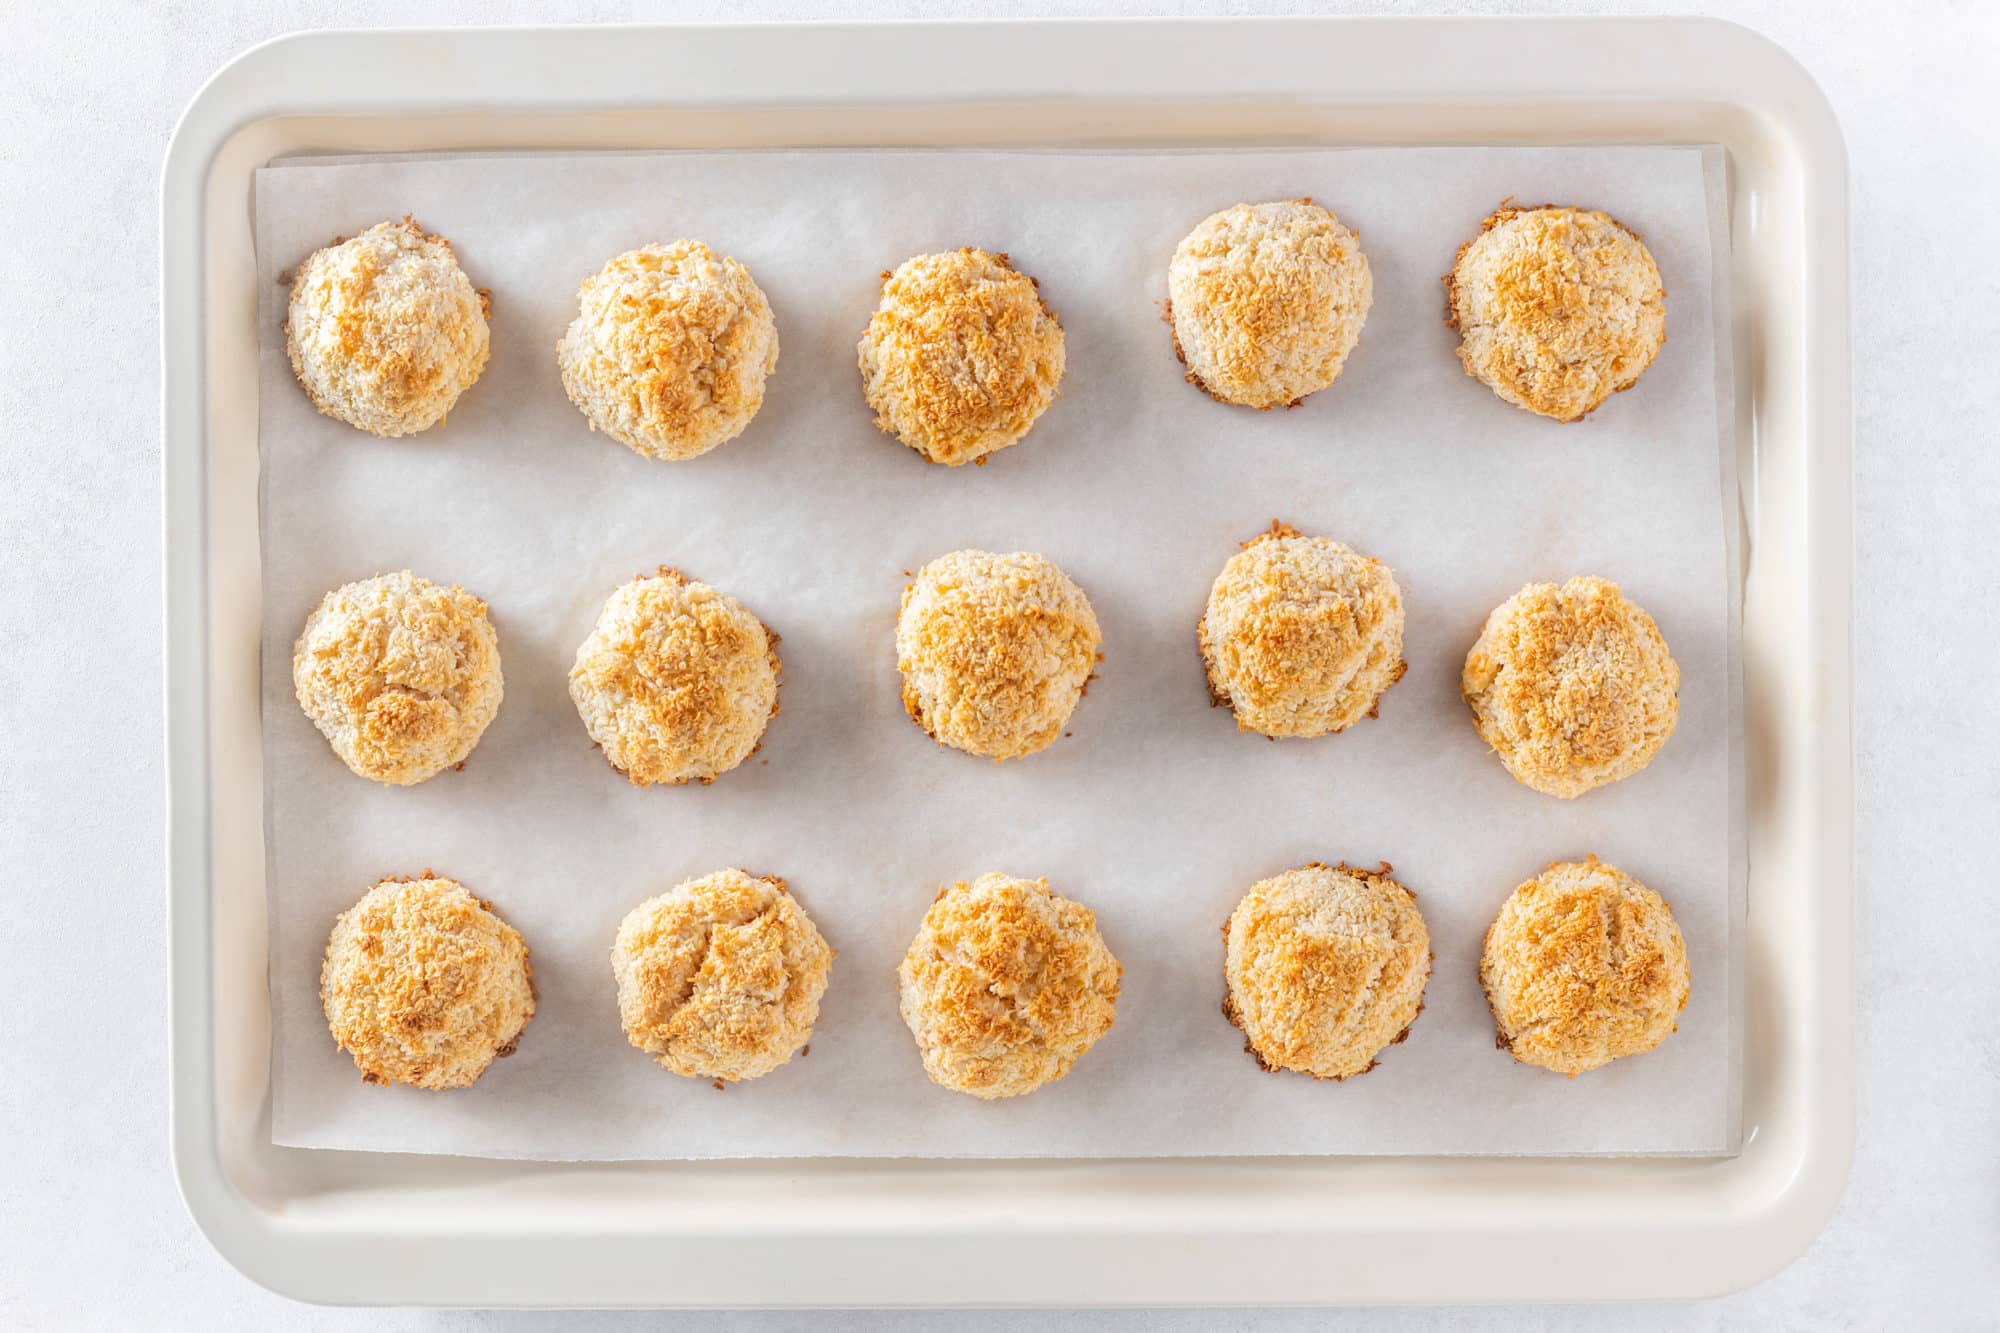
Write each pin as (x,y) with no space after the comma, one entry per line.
(669,350)
(1301,635)
(1583,966)
(721,976)
(961,357)
(995,651)
(1267,300)
(1572,686)
(385,331)
(1006,985)
(400,675)
(677,682)
(1557,308)
(422,984)
(1325,967)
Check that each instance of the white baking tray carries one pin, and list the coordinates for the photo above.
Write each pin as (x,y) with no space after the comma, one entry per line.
(370,1228)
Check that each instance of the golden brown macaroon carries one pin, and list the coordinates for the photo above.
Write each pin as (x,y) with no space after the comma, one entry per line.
(669,350)
(400,675)
(721,976)
(1266,301)
(1325,968)
(1584,965)
(385,331)
(962,355)
(995,651)
(1557,308)
(676,682)
(1573,687)
(1301,635)
(422,984)
(1006,985)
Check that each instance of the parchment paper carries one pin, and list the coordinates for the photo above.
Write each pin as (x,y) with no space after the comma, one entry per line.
(1156,812)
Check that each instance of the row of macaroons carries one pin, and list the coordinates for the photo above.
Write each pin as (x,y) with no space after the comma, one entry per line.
(1557,308)
(1571,685)
(1008,983)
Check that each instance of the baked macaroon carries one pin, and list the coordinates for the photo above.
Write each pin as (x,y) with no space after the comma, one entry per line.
(1006,985)
(1325,968)
(995,651)
(676,682)
(669,350)
(1583,966)
(1266,301)
(1301,635)
(399,674)
(422,984)
(385,331)
(962,355)
(720,977)
(1572,686)
(1557,308)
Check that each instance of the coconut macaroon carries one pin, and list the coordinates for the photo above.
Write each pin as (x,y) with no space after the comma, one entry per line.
(1006,985)
(385,331)
(399,674)
(669,350)
(1572,686)
(677,681)
(422,984)
(1325,967)
(1301,635)
(995,651)
(1557,308)
(721,976)
(1266,301)
(961,356)
(1584,965)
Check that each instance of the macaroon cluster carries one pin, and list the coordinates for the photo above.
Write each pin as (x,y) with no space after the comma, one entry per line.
(961,357)
(676,682)
(1006,985)
(400,675)
(720,977)
(385,331)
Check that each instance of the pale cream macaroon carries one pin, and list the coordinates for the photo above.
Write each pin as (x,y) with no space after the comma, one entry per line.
(1301,635)
(399,674)
(669,350)
(385,330)
(961,357)
(1557,308)
(1572,686)
(995,651)
(1584,965)
(1006,985)
(424,985)
(1325,968)
(676,682)
(1267,301)
(721,976)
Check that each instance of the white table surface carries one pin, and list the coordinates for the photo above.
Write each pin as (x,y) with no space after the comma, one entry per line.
(92,1233)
